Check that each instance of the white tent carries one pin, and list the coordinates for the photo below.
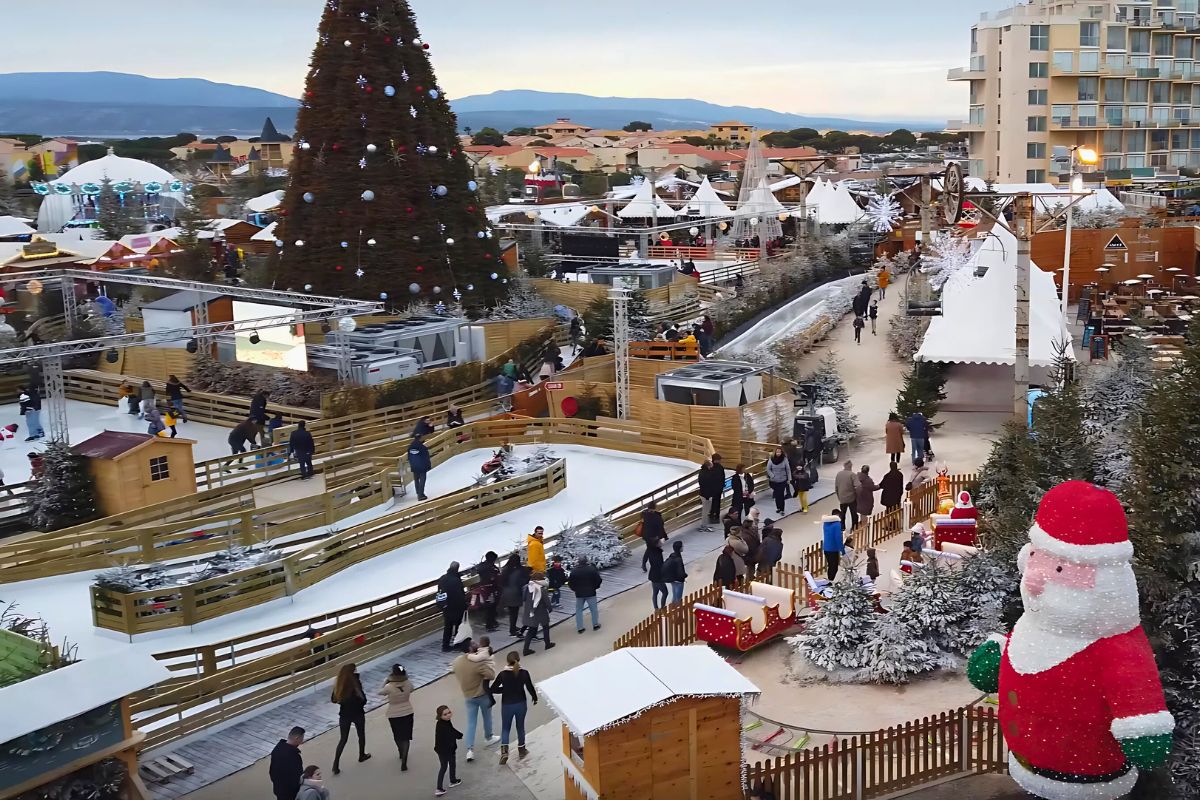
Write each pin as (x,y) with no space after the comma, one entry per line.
(706,203)
(14,226)
(59,206)
(669,182)
(265,202)
(643,205)
(1097,200)
(561,214)
(978,321)
(834,204)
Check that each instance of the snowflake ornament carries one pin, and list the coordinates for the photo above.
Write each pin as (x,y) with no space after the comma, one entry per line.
(358,273)
(362,163)
(324,38)
(362,120)
(883,212)
(361,80)
(364,16)
(457,295)
(440,309)
(412,110)
(947,258)
(404,72)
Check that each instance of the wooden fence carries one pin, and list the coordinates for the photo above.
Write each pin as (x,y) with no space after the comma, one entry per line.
(134,613)
(671,351)
(963,741)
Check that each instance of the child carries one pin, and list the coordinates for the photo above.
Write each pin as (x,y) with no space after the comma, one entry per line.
(169,420)
(859,324)
(908,558)
(445,744)
(872,564)
(556,578)
(918,539)
(874,315)
(802,482)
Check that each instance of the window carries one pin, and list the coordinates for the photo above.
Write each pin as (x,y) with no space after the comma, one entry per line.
(975,115)
(1136,114)
(1183,47)
(974,40)
(1064,60)
(1196,140)
(1139,42)
(1112,163)
(1089,33)
(1179,140)
(1086,114)
(1135,161)
(1035,149)
(1158,140)
(1137,91)
(1089,88)
(1162,45)
(1114,115)
(1160,92)
(1039,69)
(1035,124)
(1135,141)
(158,469)
(1112,141)
(1182,95)
(1061,114)
(1116,37)
(1115,62)
(1037,97)
(1089,60)
(1035,176)
(1039,37)
(1114,91)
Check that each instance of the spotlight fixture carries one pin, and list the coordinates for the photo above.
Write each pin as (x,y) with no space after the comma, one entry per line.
(192,346)
(112,356)
(254,337)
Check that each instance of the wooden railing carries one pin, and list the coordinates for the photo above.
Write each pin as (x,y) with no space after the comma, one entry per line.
(134,613)
(963,741)
(671,351)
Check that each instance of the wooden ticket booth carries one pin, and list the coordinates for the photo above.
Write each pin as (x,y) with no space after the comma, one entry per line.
(655,723)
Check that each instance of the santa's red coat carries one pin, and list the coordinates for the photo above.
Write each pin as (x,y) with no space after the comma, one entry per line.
(1060,719)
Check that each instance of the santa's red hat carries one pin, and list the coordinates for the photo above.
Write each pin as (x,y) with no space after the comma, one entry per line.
(1083,524)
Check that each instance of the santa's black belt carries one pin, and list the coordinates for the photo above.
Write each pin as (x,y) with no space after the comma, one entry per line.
(1070,777)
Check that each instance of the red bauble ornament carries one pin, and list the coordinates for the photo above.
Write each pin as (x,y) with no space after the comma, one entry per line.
(368,89)
(387,40)
(308,93)
(420,89)
(420,268)
(336,146)
(338,268)
(425,46)
(400,148)
(283,213)
(409,210)
(470,208)
(488,256)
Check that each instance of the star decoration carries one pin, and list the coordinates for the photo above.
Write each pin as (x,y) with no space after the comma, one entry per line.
(362,120)
(358,273)
(403,74)
(364,16)
(333,5)
(381,25)
(413,111)
(398,157)
(361,80)
(362,163)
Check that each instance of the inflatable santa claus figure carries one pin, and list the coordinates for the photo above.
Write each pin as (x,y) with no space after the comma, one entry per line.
(1080,701)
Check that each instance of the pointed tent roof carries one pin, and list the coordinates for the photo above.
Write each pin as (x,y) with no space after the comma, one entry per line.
(707,203)
(642,206)
(220,156)
(254,155)
(269,133)
(834,204)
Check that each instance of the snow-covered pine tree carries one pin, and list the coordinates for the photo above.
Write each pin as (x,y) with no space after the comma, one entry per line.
(523,302)
(838,635)
(985,586)
(64,495)
(932,603)
(832,392)
(599,540)
(896,651)
(1112,398)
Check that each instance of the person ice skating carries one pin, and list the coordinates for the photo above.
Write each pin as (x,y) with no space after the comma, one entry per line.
(487,590)
(1081,703)
(445,744)
(653,529)
(245,432)
(556,578)
(154,421)
(312,786)
(273,424)
(287,765)
(845,485)
(145,398)
(423,428)
(891,488)
(397,690)
(674,573)
(536,611)
(918,433)
(535,550)
(725,572)
(420,464)
(127,399)
(452,599)
(302,447)
(873,313)
(351,700)
(170,420)
(512,684)
(472,676)
(893,438)
(779,475)
(513,577)
(658,586)
(859,324)
(584,581)
(832,542)
(175,390)
(30,407)
(866,492)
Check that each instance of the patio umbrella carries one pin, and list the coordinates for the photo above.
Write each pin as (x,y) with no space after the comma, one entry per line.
(1102,269)
(1131,282)
(1145,277)
(1173,269)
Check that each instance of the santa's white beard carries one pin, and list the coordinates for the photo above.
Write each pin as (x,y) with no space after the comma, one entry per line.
(1109,608)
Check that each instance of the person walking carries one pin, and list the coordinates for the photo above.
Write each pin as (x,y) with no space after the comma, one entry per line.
(287,765)
(770,552)
(472,675)
(488,589)
(845,485)
(711,481)
(883,279)
(779,475)
(536,611)
(584,581)
(918,433)
(513,577)
(312,785)
(748,492)
(352,711)
(859,324)
(832,542)
(658,586)
(802,483)
(452,600)
(921,476)
(674,572)
(873,313)
(535,550)
(175,390)
(420,464)
(445,744)
(737,485)
(146,398)
(245,432)
(725,573)
(653,529)
(893,438)
(302,447)
(866,492)
(891,488)
(30,407)
(397,690)
(512,684)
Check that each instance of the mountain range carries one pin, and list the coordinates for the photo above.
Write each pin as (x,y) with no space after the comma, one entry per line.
(115,104)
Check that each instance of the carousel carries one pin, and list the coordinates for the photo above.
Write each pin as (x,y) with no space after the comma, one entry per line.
(73,198)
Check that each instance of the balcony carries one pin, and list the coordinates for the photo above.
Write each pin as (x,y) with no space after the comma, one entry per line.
(966,74)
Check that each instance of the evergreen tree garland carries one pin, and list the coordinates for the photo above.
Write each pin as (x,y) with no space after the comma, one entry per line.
(382,203)
(832,392)
(839,634)
(63,496)
(599,541)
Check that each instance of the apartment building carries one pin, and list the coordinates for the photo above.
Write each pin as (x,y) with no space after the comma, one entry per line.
(1122,76)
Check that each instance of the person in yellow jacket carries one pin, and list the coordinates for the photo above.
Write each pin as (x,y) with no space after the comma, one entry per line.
(883,279)
(536,551)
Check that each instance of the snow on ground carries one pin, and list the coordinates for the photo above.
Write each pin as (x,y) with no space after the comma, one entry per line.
(597,480)
(796,315)
(88,419)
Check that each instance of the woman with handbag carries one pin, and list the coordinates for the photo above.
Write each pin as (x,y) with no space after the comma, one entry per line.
(352,711)
(486,593)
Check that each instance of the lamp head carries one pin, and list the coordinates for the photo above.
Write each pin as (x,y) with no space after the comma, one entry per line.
(1087,155)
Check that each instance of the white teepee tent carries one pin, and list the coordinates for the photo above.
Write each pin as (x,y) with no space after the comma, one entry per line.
(707,203)
(644,205)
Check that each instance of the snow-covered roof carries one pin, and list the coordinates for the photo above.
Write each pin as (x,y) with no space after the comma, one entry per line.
(15,226)
(706,203)
(264,202)
(561,214)
(267,234)
(86,247)
(978,321)
(115,168)
(622,684)
(640,206)
(225,223)
(834,204)
(73,690)
(144,241)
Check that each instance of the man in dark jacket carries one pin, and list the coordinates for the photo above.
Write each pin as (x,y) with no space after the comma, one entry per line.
(489,588)
(302,446)
(653,529)
(452,599)
(770,552)
(31,409)
(424,427)
(918,434)
(673,572)
(420,464)
(258,407)
(584,581)
(244,433)
(711,480)
(287,766)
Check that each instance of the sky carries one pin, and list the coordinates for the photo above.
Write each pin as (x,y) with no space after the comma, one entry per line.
(868,59)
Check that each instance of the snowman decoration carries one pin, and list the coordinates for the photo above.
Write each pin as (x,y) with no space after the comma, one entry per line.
(1081,705)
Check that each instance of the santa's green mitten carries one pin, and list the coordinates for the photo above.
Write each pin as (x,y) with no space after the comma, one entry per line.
(1147,752)
(983,667)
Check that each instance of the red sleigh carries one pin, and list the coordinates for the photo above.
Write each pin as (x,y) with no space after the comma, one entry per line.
(956,532)
(747,620)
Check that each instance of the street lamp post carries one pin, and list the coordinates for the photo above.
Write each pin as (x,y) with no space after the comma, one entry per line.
(1085,155)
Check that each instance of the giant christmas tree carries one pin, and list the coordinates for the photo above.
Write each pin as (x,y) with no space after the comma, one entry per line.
(381,203)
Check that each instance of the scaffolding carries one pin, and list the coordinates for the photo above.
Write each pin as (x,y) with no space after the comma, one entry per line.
(620,301)
(757,211)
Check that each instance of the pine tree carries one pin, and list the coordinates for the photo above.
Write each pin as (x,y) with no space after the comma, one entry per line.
(923,390)
(832,392)
(1113,399)
(932,602)
(114,217)
(839,634)
(63,496)
(523,302)
(598,318)
(896,652)
(599,541)
(381,199)
(195,262)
